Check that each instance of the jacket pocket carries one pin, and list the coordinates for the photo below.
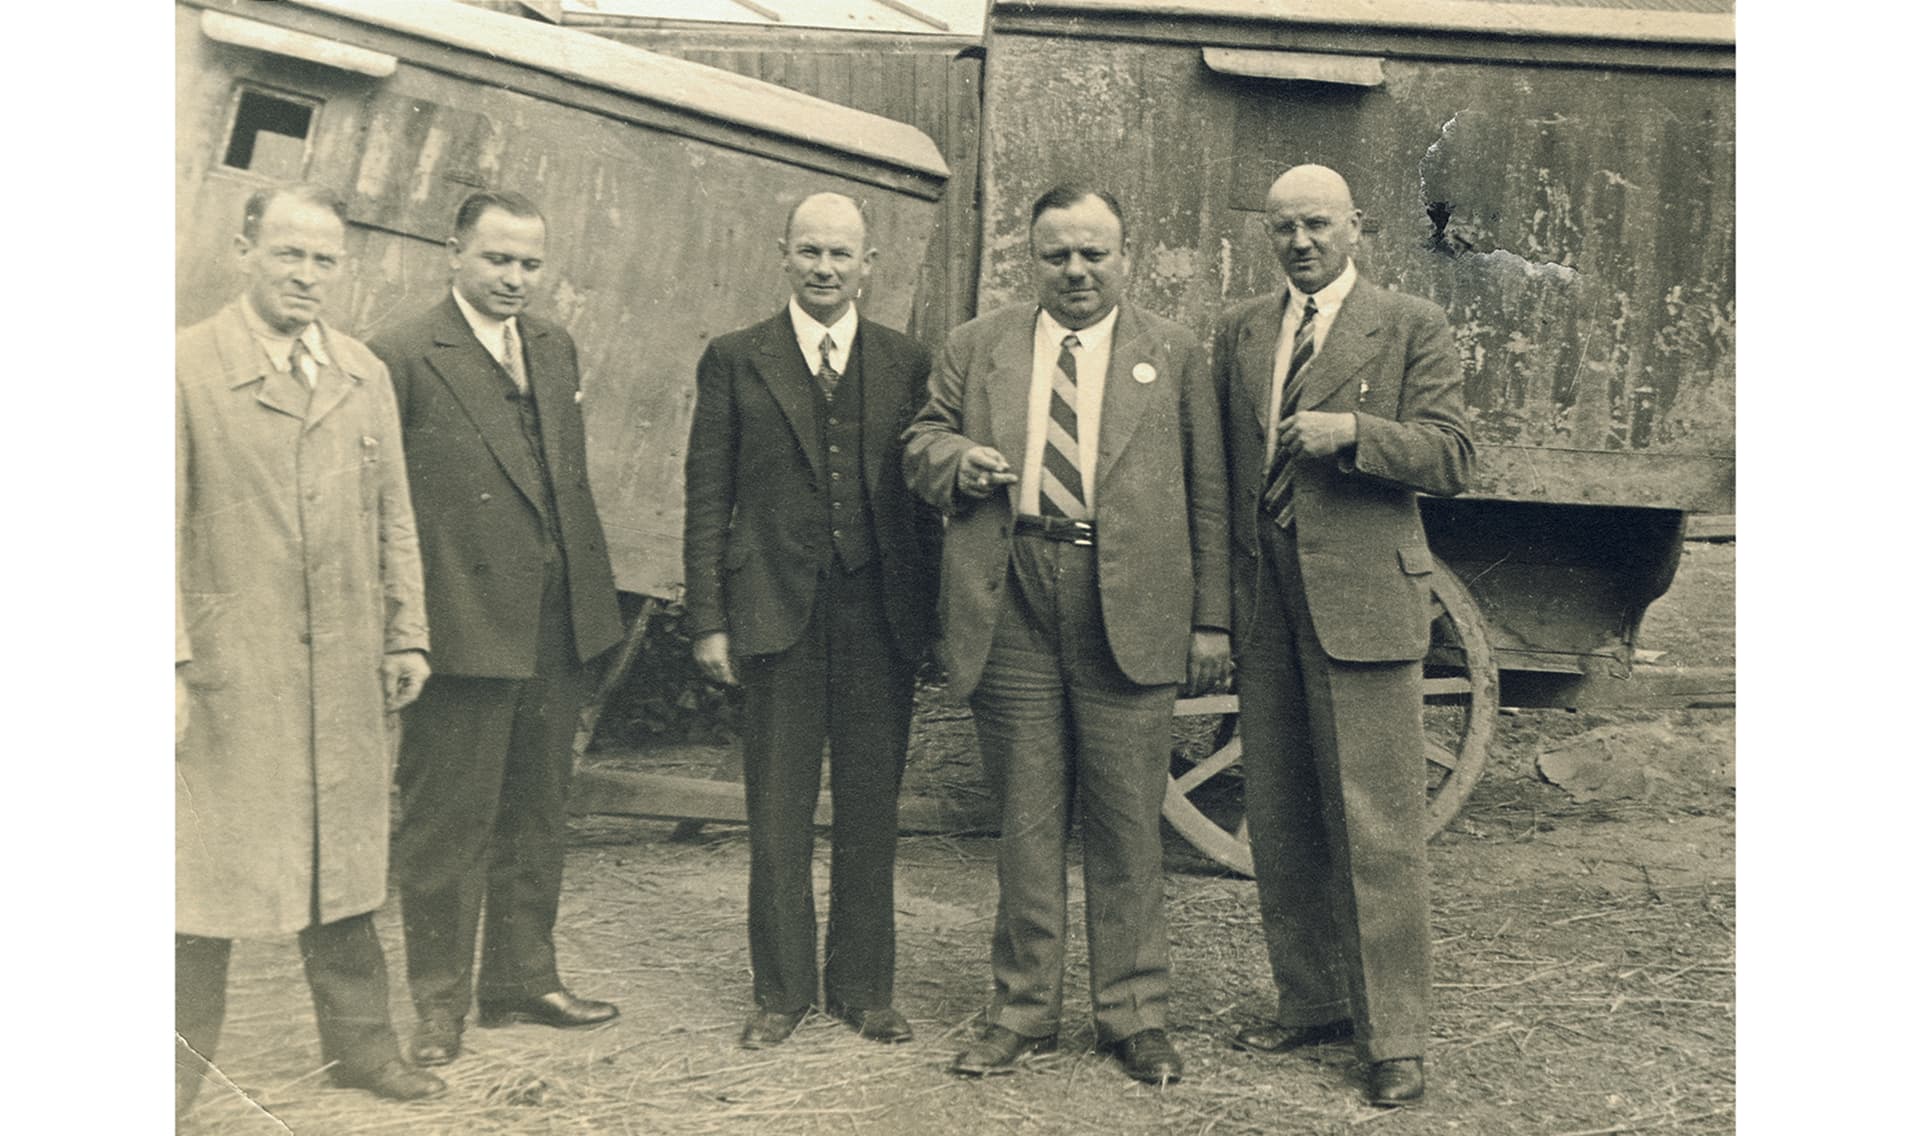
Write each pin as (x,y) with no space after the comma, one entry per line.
(1415,560)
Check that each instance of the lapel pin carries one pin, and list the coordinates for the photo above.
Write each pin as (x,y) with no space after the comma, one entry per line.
(1144,373)
(1364,388)
(579,396)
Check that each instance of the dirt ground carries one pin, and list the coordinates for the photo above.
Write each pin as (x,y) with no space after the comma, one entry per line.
(1583,966)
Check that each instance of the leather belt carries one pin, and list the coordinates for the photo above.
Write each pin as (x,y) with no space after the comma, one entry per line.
(1055,528)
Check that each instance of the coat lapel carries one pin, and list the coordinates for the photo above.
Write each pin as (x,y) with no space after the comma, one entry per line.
(1351,342)
(553,381)
(879,422)
(245,362)
(475,380)
(333,384)
(1009,376)
(1125,398)
(781,366)
(1256,351)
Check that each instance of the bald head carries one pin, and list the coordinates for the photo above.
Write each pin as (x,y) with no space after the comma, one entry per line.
(1314,226)
(825,254)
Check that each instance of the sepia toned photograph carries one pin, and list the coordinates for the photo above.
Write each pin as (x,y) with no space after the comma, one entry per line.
(685,511)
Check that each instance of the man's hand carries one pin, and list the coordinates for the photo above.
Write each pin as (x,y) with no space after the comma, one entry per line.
(982,470)
(1209,661)
(402,674)
(1317,434)
(181,702)
(714,655)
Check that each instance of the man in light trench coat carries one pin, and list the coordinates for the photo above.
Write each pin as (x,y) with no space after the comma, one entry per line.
(300,627)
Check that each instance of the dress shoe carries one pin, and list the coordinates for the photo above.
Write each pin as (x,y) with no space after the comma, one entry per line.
(559,1009)
(999,1050)
(396,1080)
(435,1042)
(1397,1082)
(883,1024)
(1148,1056)
(767,1028)
(1272,1037)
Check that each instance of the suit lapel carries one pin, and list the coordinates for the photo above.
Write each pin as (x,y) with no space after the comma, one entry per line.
(1125,399)
(879,424)
(1353,339)
(1009,377)
(1257,351)
(781,366)
(245,361)
(551,378)
(475,380)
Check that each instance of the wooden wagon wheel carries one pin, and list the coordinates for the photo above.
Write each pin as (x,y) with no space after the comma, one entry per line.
(1462,690)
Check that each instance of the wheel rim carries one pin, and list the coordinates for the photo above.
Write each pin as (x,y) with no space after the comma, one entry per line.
(1460,685)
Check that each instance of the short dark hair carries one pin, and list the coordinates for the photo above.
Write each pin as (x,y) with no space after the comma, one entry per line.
(1069,194)
(481,200)
(313,193)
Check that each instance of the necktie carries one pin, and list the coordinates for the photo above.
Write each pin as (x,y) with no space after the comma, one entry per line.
(1279,495)
(826,376)
(300,362)
(515,365)
(1061,490)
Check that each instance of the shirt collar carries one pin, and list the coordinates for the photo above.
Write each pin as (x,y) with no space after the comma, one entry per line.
(808,330)
(279,348)
(1091,336)
(1327,300)
(482,324)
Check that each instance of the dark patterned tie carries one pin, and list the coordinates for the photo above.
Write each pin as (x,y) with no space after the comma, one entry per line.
(516,365)
(1279,495)
(1061,491)
(826,376)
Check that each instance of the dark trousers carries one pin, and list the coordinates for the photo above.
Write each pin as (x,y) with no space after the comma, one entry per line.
(1059,723)
(346,971)
(1335,769)
(843,685)
(484,768)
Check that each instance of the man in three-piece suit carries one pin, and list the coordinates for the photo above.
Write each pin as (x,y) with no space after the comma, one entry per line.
(301,626)
(521,600)
(809,583)
(1341,401)
(1075,447)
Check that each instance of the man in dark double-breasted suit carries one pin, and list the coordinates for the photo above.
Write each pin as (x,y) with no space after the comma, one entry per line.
(1341,401)
(809,582)
(521,599)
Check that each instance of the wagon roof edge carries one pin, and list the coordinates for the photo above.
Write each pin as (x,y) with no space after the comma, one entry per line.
(597,61)
(1598,20)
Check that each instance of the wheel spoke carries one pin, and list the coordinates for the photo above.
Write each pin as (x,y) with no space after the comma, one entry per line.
(1435,687)
(1440,755)
(1226,756)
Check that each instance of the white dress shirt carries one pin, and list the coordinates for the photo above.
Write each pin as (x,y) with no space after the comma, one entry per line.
(279,348)
(492,333)
(808,331)
(1090,379)
(1326,304)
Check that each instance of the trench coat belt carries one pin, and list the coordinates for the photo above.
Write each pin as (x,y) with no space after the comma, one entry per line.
(1055,528)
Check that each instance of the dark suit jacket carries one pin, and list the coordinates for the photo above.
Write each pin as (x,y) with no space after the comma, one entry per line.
(1160,489)
(757,539)
(1389,359)
(477,496)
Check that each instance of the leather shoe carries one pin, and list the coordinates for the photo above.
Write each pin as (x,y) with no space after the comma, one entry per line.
(435,1042)
(883,1023)
(558,1009)
(395,1080)
(1148,1056)
(1397,1082)
(768,1028)
(999,1050)
(1272,1037)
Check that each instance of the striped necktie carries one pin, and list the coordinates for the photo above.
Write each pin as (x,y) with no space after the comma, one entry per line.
(826,376)
(1062,493)
(516,365)
(1278,498)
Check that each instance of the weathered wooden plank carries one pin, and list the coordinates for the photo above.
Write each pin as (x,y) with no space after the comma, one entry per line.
(1716,528)
(599,790)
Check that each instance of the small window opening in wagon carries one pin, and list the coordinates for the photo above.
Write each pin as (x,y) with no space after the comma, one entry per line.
(269,135)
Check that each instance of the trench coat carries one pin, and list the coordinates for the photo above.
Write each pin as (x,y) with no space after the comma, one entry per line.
(297,568)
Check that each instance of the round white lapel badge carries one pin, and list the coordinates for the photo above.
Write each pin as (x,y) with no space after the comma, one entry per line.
(1144,373)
